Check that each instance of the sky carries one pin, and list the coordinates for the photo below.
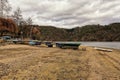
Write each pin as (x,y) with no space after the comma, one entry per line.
(69,13)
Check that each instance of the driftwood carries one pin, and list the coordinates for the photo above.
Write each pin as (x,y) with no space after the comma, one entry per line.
(102,49)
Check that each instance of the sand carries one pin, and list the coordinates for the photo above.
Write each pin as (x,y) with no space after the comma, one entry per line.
(24,62)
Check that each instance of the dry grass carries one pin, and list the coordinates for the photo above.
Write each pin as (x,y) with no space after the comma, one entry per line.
(22,62)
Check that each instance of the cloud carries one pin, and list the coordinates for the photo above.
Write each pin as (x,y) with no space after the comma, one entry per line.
(69,13)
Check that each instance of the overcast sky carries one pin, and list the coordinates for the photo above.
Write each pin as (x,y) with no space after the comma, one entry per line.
(69,13)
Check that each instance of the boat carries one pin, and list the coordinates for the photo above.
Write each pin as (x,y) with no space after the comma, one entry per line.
(48,43)
(34,42)
(68,45)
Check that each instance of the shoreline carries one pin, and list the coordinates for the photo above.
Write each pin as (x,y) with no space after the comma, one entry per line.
(54,46)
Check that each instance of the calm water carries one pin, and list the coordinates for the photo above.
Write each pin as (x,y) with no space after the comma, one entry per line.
(115,45)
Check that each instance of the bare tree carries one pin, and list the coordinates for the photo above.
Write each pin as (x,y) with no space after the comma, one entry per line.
(17,16)
(5,8)
(29,21)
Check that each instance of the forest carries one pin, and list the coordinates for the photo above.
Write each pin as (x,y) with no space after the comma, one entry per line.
(109,32)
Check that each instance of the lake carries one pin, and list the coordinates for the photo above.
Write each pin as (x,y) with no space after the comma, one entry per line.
(115,45)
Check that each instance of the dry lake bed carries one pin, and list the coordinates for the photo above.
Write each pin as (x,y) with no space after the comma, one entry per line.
(23,62)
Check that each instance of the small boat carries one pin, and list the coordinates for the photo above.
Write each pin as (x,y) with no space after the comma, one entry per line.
(49,44)
(17,41)
(6,38)
(34,42)
(68,45)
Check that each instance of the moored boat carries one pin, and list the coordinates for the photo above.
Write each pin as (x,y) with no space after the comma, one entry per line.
(68,45)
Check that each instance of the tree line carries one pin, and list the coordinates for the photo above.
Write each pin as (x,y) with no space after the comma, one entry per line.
(109,32)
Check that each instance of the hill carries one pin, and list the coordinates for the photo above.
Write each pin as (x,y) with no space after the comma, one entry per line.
(109,32)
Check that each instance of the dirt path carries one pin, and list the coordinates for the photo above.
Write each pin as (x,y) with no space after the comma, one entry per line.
(22,62)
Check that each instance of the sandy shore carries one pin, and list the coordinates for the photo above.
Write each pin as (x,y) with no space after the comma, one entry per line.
(23,62)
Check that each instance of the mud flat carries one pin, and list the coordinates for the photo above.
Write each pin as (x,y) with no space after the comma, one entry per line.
(23,62)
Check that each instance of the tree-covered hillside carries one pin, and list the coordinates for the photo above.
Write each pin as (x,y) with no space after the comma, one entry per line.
(109,32)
